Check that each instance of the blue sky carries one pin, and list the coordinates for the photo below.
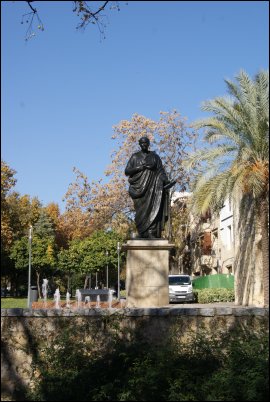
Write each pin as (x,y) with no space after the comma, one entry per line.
(63,90)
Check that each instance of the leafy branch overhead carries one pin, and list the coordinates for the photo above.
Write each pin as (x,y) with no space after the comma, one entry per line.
(93,14)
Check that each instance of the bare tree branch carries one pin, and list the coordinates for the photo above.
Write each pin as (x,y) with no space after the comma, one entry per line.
(33,9)
(86,13)
(29,19)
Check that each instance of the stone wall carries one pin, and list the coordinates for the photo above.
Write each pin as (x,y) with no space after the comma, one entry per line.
(25,333)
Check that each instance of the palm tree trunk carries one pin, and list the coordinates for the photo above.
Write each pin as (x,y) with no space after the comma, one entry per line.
(265,248)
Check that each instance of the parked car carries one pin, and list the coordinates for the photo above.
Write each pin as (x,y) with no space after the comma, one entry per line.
(180,289)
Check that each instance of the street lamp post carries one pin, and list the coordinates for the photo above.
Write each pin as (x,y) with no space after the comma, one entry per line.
(29,269)
(118,271)
(107,270)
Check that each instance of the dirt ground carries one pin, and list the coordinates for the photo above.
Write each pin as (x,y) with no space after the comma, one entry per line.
(74,304)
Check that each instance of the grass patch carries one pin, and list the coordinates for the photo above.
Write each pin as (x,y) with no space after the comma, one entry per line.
(18,302)
(13,302)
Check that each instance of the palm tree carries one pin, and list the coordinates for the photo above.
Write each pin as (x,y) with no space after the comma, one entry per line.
(237,155)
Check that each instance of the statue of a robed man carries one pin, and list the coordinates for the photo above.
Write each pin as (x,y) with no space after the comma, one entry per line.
(148,188)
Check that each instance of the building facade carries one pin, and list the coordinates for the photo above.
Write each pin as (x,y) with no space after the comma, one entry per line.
(227,242)
(210,243)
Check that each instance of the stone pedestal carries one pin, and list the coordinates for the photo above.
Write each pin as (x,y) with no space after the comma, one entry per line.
(147,272)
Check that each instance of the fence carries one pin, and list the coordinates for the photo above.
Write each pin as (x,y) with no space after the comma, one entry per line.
(214,281)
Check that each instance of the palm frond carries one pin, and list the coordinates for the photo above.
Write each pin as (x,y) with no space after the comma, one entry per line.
(262,80)
(239,129)
(233,117)
(211,193)
(209,155)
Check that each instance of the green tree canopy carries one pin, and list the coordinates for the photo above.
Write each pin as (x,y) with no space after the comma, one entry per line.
(44,227)
(88,255)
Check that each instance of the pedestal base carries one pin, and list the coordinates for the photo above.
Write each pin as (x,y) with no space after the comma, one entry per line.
(147,272)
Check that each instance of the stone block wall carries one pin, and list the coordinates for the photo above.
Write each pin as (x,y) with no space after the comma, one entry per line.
(25,333)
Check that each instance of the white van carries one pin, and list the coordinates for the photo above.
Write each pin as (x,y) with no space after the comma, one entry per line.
(180,288)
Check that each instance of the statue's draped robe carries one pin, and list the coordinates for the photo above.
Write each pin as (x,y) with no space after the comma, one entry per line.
(146,190)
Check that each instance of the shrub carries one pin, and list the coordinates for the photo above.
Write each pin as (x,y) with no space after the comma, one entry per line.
(211,295)
(228,367)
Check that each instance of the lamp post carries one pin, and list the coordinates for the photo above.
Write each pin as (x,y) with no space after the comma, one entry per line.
(29,269)
(107,270)
(118,271)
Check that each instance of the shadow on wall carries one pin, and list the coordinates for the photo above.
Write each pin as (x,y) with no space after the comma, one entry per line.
(247,268)
(112,358)
(13,375)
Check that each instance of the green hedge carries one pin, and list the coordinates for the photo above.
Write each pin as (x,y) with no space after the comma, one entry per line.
(213,295)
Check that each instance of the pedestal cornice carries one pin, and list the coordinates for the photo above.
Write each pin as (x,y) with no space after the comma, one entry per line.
(148,244)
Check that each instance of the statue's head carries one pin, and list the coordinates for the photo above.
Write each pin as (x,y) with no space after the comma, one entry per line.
(144,140)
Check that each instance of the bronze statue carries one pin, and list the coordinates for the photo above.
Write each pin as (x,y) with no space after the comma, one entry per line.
(148,188)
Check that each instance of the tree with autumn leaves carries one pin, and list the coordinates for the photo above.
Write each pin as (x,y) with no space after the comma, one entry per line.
(55,238)
(7,182)
(105,205)
(18,212)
